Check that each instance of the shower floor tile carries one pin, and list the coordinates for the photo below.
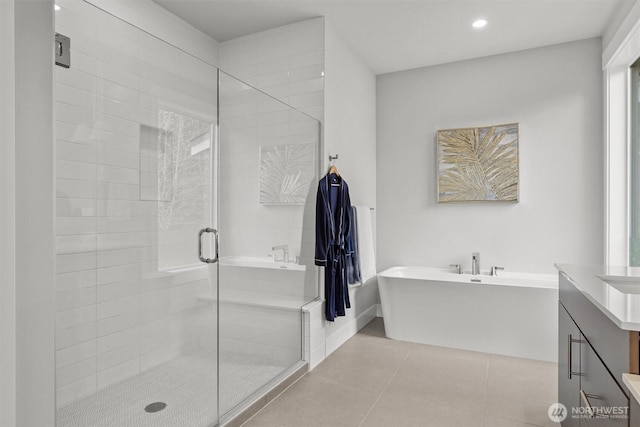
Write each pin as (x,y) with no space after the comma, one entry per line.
(187,385)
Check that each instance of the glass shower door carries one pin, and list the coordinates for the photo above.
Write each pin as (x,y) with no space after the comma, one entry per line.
(136,310)
(146,333)
(266,204)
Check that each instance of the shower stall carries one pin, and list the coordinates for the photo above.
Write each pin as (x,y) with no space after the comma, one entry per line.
(184,231)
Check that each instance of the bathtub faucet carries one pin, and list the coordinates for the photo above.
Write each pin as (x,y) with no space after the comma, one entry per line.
(475,263)
(494,270)
(285,253)
(458,268)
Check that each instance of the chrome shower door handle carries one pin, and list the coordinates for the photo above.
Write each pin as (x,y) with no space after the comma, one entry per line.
(215,236)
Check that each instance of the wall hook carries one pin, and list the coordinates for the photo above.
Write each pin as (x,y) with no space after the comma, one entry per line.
(332,158)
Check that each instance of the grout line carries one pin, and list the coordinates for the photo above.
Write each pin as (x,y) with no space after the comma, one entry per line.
(386,386)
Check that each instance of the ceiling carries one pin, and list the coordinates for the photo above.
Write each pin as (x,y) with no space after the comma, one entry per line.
(393,35)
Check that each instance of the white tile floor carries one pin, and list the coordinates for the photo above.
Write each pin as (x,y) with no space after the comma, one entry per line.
(187,385)
(375,381)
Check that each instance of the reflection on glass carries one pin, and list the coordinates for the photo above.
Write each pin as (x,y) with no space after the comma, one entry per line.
(175,163)
(286,171)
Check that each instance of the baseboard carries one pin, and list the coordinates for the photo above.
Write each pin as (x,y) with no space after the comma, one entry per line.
(349,329)
(379,310)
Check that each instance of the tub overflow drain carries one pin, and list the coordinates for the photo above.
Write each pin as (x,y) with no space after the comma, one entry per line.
(155,407)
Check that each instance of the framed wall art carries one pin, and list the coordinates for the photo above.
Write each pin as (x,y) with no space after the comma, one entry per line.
(478,164)
(286,172)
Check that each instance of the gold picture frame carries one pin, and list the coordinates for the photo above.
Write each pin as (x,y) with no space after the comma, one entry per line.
(478,164)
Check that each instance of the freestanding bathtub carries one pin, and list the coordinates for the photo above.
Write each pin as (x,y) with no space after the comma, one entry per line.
(514,314)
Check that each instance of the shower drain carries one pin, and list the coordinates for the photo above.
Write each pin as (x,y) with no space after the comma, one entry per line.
(155,407)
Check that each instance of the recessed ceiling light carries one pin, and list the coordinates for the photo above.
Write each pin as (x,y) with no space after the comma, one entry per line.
(56,7)
(479,23)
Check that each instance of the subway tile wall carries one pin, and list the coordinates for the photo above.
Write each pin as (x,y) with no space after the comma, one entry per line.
(119,310)
(286,62)
(249,120)
(260,307)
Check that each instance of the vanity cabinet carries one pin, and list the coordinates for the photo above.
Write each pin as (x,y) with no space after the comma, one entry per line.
(593,355)
(634,413)
(599,390)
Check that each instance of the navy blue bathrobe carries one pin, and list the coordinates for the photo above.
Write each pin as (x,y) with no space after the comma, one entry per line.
(333,241)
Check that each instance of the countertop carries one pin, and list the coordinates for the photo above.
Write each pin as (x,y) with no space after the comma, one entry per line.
(633,384)
(614,290)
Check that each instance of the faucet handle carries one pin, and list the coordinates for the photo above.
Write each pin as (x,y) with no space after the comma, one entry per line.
(494,270)
(458,268)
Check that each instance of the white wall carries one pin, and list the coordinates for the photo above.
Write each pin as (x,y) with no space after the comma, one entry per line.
(28,181)
(350,118)
(7,219)
(26,216)
(555,93)
(350,132)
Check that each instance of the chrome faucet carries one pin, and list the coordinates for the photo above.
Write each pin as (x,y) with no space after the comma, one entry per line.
(285,253)
(475,263)
(458,268)
(494,270)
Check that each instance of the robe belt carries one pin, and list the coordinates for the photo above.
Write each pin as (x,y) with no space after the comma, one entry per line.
(337,249)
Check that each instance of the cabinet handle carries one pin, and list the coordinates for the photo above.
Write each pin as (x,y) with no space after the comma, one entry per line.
(587,404)
(570,341)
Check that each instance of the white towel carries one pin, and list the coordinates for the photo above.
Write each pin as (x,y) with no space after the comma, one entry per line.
(366,252)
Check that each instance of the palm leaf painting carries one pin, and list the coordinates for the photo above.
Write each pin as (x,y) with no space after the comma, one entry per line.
(286,171)
(478,164)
